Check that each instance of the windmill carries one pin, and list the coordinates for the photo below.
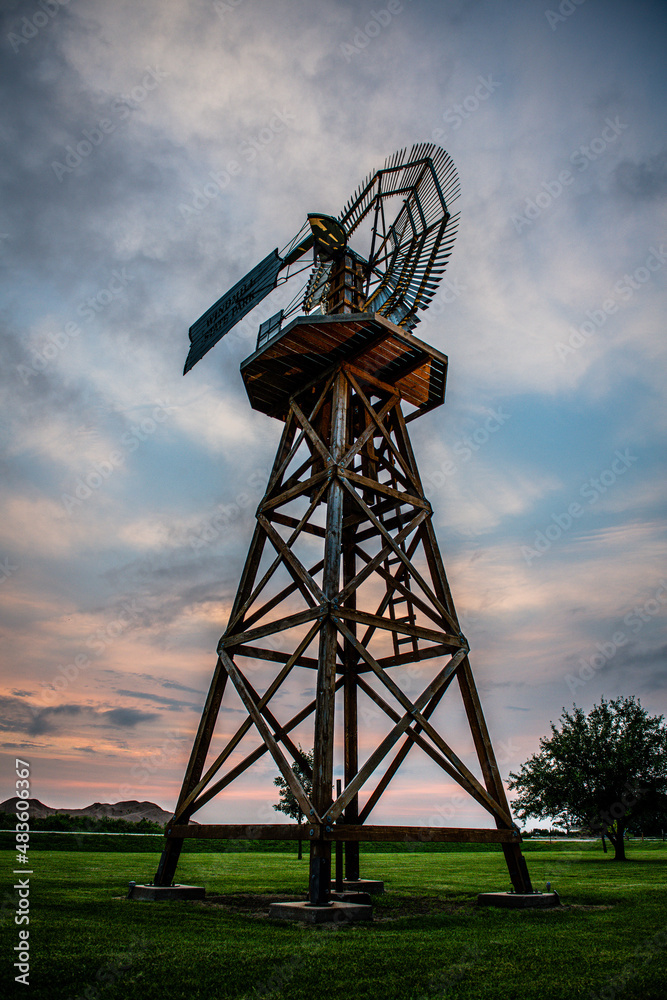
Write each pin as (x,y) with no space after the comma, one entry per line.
(344,583)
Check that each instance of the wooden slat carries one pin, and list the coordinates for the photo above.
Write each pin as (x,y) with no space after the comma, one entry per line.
(276,655)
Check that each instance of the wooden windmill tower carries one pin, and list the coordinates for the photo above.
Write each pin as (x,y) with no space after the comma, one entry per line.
(344,582)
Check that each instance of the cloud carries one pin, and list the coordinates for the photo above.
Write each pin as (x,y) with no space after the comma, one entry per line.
(645,180)
(170,703)
(127,718)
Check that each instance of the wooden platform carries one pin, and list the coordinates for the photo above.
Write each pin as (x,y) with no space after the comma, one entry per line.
(372,346)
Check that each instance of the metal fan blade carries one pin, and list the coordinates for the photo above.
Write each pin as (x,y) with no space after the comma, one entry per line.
(409,255)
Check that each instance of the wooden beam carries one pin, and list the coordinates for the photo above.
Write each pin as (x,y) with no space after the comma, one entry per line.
(393,736)
(391,625)
(264,731)
(345,832)
(245,726)
(304,581)
(270,628)
(373,563)
(248,761)
(378,419)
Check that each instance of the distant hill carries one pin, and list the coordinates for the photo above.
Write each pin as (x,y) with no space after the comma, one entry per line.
(130,811)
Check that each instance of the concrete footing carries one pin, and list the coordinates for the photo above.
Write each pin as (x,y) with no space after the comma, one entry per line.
(352,897)
(336,912)
(372,886)
(165,892)
(518,900)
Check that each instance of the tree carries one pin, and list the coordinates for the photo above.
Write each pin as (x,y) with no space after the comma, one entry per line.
(603,769)
(288,802)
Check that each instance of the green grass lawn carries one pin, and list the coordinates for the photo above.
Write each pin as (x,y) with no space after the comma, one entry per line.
(428,939)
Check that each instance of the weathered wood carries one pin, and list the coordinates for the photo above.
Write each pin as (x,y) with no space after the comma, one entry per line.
(397,551)
(349,662)
(364,618)
(289,621)
(245,726)
(291,522)
(385,490)
(413,735)
(345,832)
(423,834)
(314,437)
(374,425)
(343,434)
(248,761)
(320,853)
(304,581)
(386,778)
(378,419)
(373,564)
(264,731)
(396,585)
(279,597)
(393,736)
(169,859)
(276,655)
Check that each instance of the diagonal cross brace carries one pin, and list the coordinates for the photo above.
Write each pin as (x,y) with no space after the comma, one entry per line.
(266,734)
(414,713)
(392,737)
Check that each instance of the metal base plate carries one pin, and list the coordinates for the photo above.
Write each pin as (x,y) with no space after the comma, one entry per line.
(518,900)
(336,912)
(166,892)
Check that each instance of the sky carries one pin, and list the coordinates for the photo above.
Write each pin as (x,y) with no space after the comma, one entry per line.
(153,153)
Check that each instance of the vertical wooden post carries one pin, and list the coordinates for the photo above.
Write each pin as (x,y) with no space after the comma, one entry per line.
(339,848)
(320,850)
(172,849)
(351,749)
